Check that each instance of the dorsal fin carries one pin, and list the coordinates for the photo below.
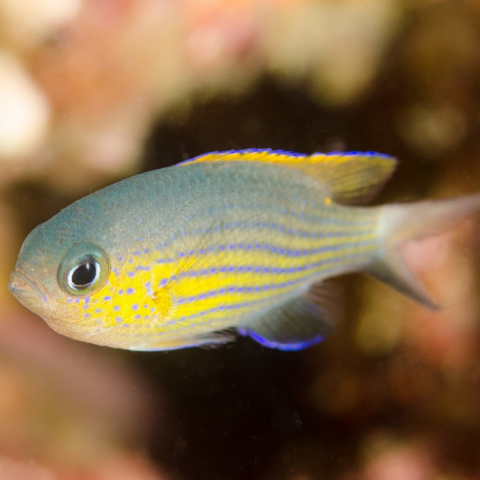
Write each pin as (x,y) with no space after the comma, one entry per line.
(349,177)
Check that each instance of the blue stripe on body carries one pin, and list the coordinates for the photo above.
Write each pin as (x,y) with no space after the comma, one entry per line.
(320,221)
(244,289)
(243,305)
(227,308)
(280,251)
(273,248)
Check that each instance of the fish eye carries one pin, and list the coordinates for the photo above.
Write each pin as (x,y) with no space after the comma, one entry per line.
(83,275)
(84,270)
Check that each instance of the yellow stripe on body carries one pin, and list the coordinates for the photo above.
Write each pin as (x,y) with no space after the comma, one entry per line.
(128,297)
(159,306)
(196,290)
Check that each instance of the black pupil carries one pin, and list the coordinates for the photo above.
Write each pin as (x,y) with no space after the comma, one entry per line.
(84,274)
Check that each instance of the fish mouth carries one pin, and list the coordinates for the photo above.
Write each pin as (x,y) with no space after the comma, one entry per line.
(22,286)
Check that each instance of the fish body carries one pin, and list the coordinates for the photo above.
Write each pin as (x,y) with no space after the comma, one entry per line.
(177,257)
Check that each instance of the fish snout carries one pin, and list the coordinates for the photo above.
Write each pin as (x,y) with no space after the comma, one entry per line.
(24,288)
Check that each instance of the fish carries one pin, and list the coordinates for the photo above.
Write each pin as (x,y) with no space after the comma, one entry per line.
(235,242)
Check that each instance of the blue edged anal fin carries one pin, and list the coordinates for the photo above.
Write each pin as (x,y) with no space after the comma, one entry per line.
(348,178)
(297,323)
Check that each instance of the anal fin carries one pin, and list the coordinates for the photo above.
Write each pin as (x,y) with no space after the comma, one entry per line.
(299,322)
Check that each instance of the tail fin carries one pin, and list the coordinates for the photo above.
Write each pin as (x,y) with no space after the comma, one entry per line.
(402,223)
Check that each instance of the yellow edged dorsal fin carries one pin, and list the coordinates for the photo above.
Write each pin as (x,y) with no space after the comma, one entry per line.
(349,177)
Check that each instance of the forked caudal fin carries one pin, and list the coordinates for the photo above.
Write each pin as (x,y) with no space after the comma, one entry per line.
(402,223)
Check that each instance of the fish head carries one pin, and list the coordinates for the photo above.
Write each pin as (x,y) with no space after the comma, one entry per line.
(57,273)
(88,276)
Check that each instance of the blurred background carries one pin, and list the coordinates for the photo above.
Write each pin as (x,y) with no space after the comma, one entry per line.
(92,91)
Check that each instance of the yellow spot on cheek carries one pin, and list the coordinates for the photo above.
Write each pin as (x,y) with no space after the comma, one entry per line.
(327,201)
(163,302)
